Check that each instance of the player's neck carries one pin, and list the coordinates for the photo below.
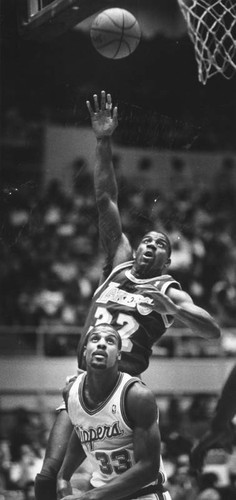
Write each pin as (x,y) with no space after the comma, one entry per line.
(98,386)
(141,272)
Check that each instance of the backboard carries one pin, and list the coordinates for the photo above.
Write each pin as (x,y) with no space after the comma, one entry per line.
(42,20)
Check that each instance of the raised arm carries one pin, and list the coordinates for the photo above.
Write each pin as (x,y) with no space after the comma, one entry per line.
(104,120)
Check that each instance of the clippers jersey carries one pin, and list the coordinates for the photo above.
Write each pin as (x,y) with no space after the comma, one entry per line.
(116,302)
(105,432)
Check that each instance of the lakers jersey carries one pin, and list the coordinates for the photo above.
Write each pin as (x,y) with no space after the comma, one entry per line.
(117,302)
(105,432)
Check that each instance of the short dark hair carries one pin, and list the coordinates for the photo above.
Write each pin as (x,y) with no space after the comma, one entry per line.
(104,326)
(168,242)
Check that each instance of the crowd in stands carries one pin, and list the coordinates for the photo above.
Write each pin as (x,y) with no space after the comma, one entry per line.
(50,265)
(51,259)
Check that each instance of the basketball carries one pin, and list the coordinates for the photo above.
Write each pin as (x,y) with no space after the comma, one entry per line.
(115,33)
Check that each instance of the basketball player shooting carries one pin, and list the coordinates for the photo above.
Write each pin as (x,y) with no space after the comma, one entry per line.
(142,272)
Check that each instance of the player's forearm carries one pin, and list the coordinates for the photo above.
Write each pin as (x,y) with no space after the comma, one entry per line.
(136,478)
(104,175)
(74,457)
(199,321)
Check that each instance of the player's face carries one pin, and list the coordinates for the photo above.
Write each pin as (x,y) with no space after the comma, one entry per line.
(102,350)
(152,255)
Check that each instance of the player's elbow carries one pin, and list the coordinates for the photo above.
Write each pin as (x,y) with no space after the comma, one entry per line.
(215,332)
(209,330)
(218,332)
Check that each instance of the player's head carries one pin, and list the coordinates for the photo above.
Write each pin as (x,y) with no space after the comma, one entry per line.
(152,256)
(102,347)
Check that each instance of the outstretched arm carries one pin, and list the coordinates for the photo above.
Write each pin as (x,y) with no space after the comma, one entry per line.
(142,410)
(104,120)
(196,318)
(179,304)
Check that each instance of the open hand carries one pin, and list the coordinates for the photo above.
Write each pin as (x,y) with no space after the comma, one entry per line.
(104,120)
(161,303)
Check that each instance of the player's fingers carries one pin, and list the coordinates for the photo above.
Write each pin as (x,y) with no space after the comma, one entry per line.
(103,100)
(96,106)
(89,108)
(109,104)
(115,113)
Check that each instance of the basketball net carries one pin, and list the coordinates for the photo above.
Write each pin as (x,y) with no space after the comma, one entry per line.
(211,26)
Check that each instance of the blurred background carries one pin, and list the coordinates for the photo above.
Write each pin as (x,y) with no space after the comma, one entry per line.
(175,158)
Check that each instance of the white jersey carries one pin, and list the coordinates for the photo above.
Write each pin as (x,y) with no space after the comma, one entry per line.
(105,432)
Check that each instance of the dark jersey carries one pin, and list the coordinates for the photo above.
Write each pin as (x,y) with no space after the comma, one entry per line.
(117,302)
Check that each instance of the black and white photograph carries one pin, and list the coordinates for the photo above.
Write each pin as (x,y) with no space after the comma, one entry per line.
(118,250)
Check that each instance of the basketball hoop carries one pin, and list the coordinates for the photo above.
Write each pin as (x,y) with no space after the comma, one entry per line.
(211,26)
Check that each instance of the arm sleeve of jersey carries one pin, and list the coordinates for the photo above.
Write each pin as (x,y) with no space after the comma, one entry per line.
(66,390)
(170,284)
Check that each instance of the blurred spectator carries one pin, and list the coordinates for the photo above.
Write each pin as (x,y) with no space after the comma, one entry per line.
(208,487)
(29,491)
(49,299)
(179,179)
(223,296)
(82,178)
(181,258)
(224,191)
(5,462)
(65,268)
(24,470)
(50,254)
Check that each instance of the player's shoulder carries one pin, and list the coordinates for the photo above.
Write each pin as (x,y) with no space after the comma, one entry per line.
(70,381)
(140,402)
(163,278)
(66,391)
(138,393)
(162,282)
(137,386)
